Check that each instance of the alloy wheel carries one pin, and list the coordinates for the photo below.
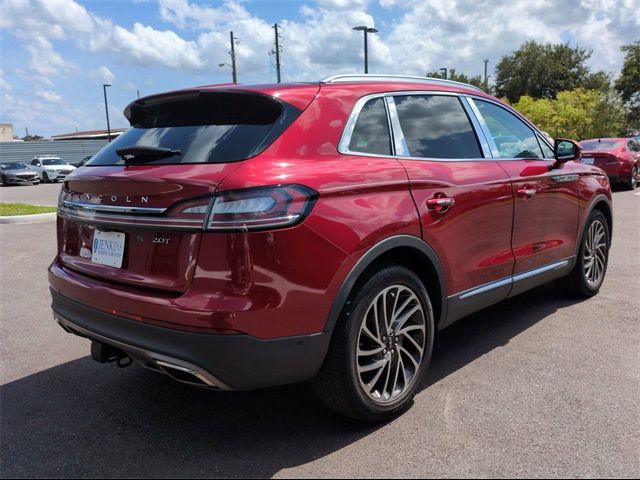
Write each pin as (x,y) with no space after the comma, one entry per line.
(391,345)
(595,254)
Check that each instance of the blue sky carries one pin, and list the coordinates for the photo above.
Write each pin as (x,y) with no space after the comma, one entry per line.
(56,54)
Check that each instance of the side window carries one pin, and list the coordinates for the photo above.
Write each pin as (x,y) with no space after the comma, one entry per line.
(634,146)
(436,126)
(371,131)
(34,162)
(511,135)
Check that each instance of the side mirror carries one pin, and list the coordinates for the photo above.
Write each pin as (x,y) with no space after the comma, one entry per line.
(565,150)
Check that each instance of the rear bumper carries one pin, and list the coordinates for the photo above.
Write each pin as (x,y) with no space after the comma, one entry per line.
(227,362)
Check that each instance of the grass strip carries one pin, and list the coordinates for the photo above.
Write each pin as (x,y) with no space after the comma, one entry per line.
(9,209)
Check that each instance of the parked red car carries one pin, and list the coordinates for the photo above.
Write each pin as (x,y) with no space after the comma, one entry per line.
(239,237)
(618,157)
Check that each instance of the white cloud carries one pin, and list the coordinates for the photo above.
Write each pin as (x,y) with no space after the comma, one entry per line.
(45,61)
(48,96)
(44,18)
(103,75)
(145,45)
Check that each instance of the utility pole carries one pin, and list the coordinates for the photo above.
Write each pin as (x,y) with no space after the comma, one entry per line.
(138,92)
(275,26)
(445,72)
(486,78)
(234,74)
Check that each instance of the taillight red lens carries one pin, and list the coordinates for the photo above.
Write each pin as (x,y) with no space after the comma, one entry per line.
(261,208)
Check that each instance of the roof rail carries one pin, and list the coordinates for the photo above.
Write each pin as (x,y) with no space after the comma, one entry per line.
(358,77)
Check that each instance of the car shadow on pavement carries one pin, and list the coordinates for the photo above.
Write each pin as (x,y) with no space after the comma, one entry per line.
(82,419)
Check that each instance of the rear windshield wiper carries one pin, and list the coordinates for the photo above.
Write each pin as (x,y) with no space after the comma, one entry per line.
(142,154)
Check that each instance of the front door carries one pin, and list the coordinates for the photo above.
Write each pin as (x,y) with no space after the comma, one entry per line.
(546,207)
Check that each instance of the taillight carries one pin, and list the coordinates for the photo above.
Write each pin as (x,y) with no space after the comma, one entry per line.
(239,210)
(260,208)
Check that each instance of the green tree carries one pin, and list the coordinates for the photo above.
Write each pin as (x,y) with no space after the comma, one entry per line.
(31,138)
(577,113)
(544,70)
(628,85)
(459,77)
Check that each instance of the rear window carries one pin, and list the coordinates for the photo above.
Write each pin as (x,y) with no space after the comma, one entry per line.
(601,145)
(206,127)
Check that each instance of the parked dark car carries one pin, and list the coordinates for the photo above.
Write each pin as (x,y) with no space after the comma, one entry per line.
(618,157)
(240,237)
(16,173)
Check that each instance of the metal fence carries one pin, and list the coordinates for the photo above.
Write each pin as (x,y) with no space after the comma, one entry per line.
(72,151)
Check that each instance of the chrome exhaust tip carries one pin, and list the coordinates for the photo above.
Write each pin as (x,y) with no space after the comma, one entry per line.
(185,375)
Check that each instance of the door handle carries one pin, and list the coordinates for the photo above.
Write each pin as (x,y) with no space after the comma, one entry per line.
(527,193)
(441,204)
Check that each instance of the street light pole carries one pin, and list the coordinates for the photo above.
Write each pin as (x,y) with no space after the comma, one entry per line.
(366,31)
(233,59)
(106,109)
(445,72)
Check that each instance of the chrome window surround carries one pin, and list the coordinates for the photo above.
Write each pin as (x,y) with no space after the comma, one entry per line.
(401,148)
(345,140)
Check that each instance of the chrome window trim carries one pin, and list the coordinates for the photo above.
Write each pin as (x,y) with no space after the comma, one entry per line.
(481,135)
(401,147)
(495,153)
(345,139)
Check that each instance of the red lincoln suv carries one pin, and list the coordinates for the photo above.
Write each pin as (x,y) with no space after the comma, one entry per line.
(239,237)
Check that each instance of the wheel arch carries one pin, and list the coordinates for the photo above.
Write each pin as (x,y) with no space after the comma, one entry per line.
(406,250)
(603,204)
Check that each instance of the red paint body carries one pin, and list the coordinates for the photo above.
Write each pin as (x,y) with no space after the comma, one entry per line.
(283,282)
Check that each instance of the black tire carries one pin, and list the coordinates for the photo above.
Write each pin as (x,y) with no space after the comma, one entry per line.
(633,180)
(4,181)
(576,284)
(339,384)
(45,177)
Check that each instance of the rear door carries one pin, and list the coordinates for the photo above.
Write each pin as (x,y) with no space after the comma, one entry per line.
(546,208)
(465,200)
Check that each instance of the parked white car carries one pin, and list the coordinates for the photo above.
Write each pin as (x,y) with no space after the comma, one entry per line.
(51,168)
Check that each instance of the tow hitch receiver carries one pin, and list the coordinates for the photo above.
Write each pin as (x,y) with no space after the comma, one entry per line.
(104,353)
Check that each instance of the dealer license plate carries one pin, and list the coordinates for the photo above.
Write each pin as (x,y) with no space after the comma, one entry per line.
(108,248)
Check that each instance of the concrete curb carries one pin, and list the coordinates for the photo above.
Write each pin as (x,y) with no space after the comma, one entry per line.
(36,218)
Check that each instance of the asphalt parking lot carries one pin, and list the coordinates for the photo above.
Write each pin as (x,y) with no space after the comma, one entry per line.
(43,194)
(538,386)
